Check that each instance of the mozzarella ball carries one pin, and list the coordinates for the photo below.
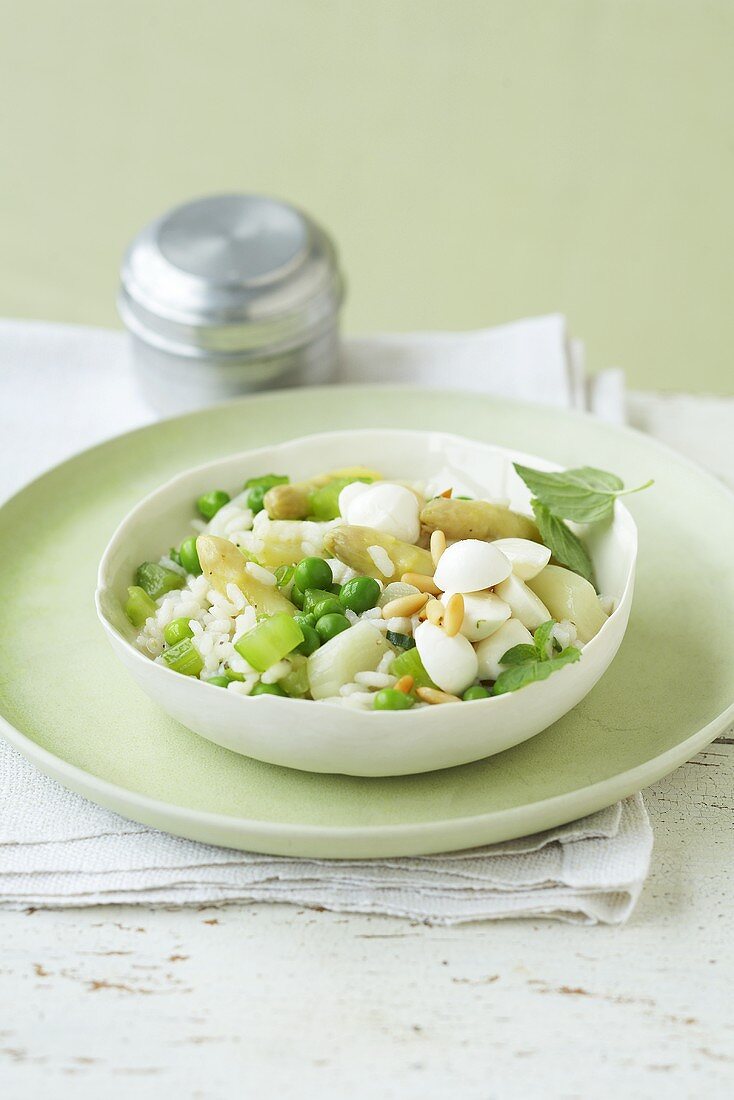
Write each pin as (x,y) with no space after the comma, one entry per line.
(450,662)
(526,558)
(492,649)
(470,566)
(348,494)
(524,604)
(385,507)
(483,614)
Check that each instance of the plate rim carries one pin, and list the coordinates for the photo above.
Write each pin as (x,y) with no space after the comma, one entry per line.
(413,838)
(410,838)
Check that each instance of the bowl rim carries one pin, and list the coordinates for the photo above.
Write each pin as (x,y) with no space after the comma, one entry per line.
(266,700)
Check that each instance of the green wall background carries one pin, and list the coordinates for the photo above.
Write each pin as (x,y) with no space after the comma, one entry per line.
(476,160)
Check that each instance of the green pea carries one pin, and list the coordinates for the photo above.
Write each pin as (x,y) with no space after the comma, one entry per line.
(328,626)
(360,594)
(329,606)
(305,620)
(267,689)
(255,498)
(390,699)
(475,692)
(189,556)
(257,488)
(296,596)
(313,596)
(218,681)
(313,573)
(210,503)
(176,631)
(311,640)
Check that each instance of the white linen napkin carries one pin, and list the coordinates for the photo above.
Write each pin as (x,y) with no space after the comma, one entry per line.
(66,387)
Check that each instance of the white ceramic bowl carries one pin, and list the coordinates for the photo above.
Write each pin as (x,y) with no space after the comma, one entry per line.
(324,737)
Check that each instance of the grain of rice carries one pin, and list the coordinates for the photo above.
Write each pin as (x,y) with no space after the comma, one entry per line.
(169,563)
(235,596)
(373,613)
(221,626)
(381,560)
(400,624)
(352,616)
(385,662)
(260,574)
(276,672)
(360,700)
(241,687)
(341,572)
(374,679)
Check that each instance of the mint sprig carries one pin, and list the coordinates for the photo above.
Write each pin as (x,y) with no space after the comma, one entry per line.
(584,495)
(566,547)
(528,664)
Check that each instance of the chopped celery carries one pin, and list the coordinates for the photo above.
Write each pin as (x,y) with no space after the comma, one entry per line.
(232,675)
(270,641)
(402,641)
(156,580)
(184,657)
(323,502)
(296,682)
(408,663)
(139,606)
(267,481)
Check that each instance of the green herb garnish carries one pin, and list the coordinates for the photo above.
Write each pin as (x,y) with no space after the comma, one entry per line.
(284,575)
(584,495)
(527,664)
(566,547)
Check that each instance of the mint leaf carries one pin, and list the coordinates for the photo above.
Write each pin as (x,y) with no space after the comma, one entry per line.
(542,637)
(519,676)
(566,547)
(585,495)
(519,655)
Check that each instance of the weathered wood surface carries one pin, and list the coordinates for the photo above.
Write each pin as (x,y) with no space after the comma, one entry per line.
(273,1001)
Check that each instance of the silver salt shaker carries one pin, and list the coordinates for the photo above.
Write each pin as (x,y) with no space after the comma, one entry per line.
(228,295)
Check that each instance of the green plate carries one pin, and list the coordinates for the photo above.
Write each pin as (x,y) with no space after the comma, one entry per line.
(69,707)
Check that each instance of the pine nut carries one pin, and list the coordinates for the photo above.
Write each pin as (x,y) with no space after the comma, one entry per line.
(422,582)
(454,616)
(438,545)
(433,696)
(404,606)
(405,684)
(434,612)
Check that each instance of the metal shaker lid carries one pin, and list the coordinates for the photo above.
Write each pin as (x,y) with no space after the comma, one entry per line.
(230,274)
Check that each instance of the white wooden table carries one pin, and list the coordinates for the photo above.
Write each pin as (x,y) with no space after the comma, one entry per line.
(273,1001)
